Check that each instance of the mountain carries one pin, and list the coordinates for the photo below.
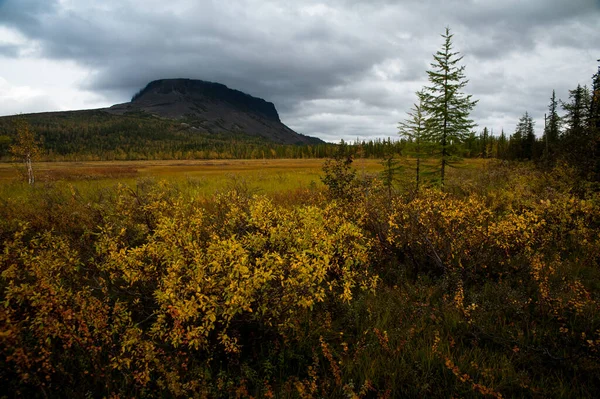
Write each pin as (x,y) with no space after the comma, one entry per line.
(212,108)
(168,119)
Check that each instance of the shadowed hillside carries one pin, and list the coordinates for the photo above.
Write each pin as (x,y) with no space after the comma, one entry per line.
(168,119)
(212,108)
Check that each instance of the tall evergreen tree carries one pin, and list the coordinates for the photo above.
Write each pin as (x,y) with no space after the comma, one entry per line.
(576,142)
(594,113)
(413,129)
(594,123)
(577,110)
(515,145)
(529,143)
(493,146)
(525,134)
(391,169)
(485,141)
(446,106)
(552,127)
(502,146)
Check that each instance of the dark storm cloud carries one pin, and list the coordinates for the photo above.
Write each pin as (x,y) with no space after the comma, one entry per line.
(497,28)
(282,57)
(25,13)
(337,69)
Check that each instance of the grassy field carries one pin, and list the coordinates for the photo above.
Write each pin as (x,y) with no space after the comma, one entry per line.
(207,176)
(264,176)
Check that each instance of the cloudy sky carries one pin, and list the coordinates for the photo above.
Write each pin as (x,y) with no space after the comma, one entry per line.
(336,69)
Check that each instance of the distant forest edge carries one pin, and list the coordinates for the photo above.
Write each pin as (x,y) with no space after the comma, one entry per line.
(96,135)
(101,136)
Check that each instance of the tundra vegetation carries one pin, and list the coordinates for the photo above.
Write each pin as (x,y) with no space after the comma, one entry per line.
(360,284)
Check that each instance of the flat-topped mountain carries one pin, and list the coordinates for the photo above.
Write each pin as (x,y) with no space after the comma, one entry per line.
(168,119)
(212,108)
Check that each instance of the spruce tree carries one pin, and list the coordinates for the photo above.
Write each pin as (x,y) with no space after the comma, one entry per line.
(594,124)
(446,106)
(529,142)
(577,110)
(413,129)
(485,141)
(525,137)
(389,175)
(515,145)
(502,146)
(576,141)
(594,113)
(552,128)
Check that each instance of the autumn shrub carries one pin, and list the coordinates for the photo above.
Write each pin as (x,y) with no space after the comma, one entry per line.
(58,331)
(149,289)
(188,284)
(522,276)
(340,177)
(447,235)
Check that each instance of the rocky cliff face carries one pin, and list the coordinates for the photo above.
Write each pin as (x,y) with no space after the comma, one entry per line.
(212,108)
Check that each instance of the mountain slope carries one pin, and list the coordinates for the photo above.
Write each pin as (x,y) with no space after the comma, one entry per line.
(212,108)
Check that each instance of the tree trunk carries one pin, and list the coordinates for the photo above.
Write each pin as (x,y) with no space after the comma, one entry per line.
(30,177)
(418,172)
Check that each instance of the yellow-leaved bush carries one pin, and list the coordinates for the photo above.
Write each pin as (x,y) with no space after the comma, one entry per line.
(451,233)
(54,321)
(464,234)
(265,264)
(193,279)
(538,247)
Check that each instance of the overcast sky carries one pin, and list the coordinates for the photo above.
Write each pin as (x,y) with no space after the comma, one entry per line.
(336,69)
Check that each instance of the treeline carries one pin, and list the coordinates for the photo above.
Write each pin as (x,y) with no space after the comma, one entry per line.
(438,126)
(571,133)
(98,136)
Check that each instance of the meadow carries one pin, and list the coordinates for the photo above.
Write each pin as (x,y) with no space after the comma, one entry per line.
(209,176)
(295,279)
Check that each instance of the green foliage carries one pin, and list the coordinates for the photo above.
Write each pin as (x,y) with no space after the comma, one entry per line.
(579,142)
(390,174)
(485,143)
(414,130)
(523,140)
(340,177)
(577,111)
(552,129)
(98,135)
(446,106)
(26,148)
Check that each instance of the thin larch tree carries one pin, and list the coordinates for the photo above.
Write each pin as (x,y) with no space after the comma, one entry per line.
(445,104)
(26,148)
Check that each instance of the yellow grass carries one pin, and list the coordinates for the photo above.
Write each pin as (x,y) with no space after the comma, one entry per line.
(202,177)
(207,175)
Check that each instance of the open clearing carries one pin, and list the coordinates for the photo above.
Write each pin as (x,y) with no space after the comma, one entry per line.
(207,175)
